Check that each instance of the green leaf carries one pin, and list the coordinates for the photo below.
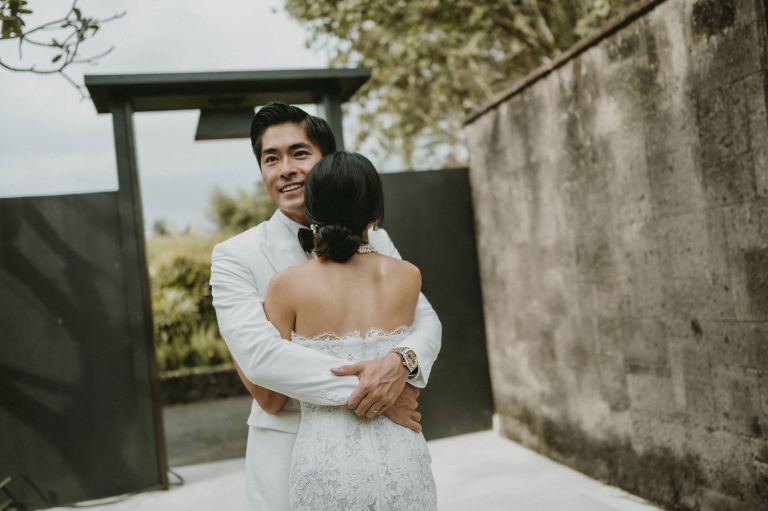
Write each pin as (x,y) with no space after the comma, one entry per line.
(77,12)
(56,58)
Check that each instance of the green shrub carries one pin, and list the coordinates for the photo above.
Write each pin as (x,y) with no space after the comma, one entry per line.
(186,332)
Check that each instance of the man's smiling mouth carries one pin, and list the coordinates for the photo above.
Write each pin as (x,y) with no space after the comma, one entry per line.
(289,188)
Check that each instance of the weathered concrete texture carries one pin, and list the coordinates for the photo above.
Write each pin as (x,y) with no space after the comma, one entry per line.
(622,221)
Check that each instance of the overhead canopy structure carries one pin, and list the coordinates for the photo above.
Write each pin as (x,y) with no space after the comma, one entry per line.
(191,91)
(226,97)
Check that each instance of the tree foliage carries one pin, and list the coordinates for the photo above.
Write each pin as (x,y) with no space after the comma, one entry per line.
(434,61)
(160,227)
(241,211)
(61,37)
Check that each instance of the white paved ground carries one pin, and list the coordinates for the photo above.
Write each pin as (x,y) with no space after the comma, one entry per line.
(476,472)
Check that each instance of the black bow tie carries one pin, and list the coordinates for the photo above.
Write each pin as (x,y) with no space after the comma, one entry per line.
(307,239)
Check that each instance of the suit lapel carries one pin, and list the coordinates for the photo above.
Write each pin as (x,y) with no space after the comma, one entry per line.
(282,249)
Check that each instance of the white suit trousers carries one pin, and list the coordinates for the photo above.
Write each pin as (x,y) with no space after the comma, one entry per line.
(267,465)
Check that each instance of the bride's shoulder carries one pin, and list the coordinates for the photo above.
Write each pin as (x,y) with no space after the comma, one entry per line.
(402,271)
(288,280)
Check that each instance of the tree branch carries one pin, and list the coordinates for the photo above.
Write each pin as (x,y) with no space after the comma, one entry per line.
(78,29)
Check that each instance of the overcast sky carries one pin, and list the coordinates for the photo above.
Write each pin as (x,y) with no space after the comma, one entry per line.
(52,143)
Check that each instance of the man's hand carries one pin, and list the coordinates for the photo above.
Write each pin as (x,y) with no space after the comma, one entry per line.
(404,412)
(381,382)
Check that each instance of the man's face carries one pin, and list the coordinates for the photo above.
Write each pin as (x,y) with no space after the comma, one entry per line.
(287,157)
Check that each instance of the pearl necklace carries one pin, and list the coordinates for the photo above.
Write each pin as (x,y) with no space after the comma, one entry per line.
(366,248)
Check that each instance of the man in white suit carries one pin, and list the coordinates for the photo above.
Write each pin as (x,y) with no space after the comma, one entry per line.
(287,143)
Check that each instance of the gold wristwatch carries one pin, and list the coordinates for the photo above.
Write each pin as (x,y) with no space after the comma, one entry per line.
(409,357)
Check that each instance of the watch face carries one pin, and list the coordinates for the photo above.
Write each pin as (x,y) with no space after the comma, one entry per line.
(410,357)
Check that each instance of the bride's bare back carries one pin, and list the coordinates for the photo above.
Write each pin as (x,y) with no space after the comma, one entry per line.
(341,291)
(367,291)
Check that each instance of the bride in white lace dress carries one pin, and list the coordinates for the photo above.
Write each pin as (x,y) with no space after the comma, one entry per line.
(355,304)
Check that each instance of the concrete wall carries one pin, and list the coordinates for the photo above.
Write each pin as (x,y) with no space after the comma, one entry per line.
(621,204)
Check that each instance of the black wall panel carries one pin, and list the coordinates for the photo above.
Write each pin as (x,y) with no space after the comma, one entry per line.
(429,218)
(74,421)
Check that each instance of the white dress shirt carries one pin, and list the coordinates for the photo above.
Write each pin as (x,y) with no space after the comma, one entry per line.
(294,226)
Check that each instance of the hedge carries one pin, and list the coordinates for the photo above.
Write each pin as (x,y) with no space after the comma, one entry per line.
(186,333)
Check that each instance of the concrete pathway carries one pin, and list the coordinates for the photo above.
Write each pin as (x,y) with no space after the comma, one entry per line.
(487,472)
(477,472)
(207,431)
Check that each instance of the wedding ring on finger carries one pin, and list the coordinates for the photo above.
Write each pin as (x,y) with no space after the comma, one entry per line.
(374,411)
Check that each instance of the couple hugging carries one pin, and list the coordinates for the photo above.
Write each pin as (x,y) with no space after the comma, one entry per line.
(333,425)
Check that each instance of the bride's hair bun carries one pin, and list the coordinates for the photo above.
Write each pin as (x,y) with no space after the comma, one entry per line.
(342,196)
(337,242)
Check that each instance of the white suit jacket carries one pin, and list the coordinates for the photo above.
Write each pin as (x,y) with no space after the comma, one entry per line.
(241,268)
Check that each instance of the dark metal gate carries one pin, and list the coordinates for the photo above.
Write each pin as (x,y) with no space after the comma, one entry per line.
(429,218)
(77,417)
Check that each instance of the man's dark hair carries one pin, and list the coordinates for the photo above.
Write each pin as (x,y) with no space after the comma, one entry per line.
(342,195)
(275,113)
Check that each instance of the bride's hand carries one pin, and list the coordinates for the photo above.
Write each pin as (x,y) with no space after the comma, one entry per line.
(404,412)
(381,382)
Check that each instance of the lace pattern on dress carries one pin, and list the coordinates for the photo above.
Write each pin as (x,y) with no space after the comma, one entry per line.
(350,463)
(352,346)
(372,333)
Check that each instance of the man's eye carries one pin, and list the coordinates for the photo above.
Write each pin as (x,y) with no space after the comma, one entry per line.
(301,153)
(270,159)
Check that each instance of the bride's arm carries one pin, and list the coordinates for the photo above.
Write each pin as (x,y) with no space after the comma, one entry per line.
(279,309)
(269,401)
(264,357)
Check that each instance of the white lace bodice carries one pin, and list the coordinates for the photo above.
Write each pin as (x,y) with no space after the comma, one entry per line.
(345,462)
(353,346)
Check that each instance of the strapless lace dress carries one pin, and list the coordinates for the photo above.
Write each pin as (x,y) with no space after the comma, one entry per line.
(349,463)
